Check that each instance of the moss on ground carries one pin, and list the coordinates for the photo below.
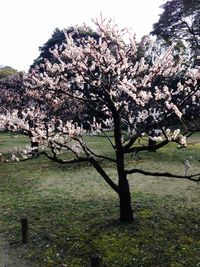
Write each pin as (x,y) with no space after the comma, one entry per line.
(73,214)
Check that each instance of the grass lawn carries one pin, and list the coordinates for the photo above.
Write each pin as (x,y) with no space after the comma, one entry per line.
(73,214)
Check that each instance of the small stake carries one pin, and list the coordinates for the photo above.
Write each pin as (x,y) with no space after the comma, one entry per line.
(96,261)
(24,224)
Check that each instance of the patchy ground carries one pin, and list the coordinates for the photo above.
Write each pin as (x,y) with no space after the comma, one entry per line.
(8,257)
(72,213)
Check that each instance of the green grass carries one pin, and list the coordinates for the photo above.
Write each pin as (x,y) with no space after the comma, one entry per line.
(73,214)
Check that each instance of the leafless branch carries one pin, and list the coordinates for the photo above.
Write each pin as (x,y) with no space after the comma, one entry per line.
(100,156)
(62,161)
(108,138)
(101,171)
(146,148)
(165,174)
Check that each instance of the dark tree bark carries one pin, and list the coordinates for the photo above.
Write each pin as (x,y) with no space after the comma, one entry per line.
(126,212)
(34,146)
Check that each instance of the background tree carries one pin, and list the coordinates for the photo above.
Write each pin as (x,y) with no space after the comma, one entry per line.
(11,91)
(6,71)
(57,39)
(18,109)
(180,21)
(13,103)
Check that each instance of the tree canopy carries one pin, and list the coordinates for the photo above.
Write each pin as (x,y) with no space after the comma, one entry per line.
(131,97)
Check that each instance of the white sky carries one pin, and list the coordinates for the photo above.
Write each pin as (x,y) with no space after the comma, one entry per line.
(27,24)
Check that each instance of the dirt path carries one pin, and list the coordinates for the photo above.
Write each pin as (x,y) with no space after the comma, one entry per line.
(8,258)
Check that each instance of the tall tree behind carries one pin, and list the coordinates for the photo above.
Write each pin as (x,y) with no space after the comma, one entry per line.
(6,71)
(57,39)
(180,21)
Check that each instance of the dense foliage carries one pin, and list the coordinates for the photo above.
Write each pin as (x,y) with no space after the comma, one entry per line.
(180,21)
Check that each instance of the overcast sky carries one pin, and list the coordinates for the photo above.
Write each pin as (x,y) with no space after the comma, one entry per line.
(27,24)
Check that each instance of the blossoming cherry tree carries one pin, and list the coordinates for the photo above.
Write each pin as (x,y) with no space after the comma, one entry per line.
(133,96)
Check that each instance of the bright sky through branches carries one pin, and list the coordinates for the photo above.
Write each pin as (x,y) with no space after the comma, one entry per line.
(27,24)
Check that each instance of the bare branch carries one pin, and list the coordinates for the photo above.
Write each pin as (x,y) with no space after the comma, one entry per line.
(100,156)
(165,174)
(146,148)
(108,138)
(67,147)
(62,161)
(101,171)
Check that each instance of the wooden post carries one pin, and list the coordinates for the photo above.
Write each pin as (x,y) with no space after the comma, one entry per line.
(96,261)
(24,224)
(151,145)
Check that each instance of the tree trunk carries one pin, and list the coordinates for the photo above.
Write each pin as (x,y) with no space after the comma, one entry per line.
(151,145)
(34,146)
(126,212)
